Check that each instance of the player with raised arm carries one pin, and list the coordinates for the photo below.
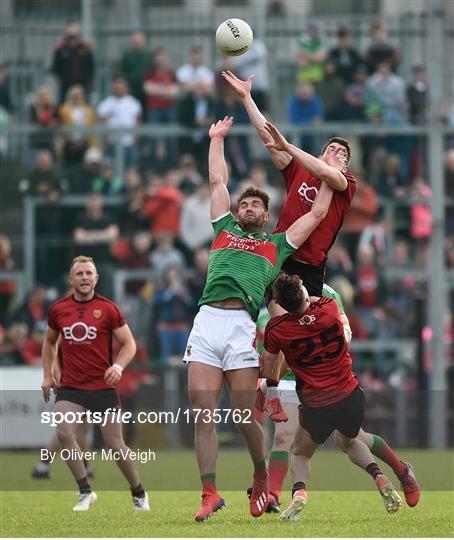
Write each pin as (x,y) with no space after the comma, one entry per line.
(221,347)
(311,335)
(87,323)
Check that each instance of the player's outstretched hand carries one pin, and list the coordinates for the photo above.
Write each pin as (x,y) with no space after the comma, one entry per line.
(242,88)
(279,141)
(112,376)
(221,128)
(48,384)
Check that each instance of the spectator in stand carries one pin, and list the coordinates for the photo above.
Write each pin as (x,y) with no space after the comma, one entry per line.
(44,180)
(94,232)
(43,114)
(418,96)
(164,256)
(81,179)
(7,287)
(310,55)
(107,183)
(189,176)
(346,59)
(370,292)
(196,277)
(304,108)
(352,106)
(195,224)
(330,89)
(236,147)
(132,217)
(136,305)
(6,103)
(134,63)
(197,110)
(162,205)
(173,307)
(76,112)
(420,218)
(33,344)
(449,190)
(255,62)
(339,263)
(73,61)
(13,345)
(388,90)
(121,110)
(161,89)
(195,72)
(33,310)
(390,183)
(364,208)
(380,49)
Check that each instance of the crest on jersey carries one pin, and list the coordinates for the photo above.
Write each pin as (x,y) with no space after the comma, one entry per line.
(306,320)
(97,313)
(308,192)
(188,350)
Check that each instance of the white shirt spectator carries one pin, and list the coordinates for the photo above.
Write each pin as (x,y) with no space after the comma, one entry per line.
(118,112)
(189,75)
(195,222)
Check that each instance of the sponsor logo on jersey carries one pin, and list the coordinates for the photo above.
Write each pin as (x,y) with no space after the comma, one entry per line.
(79,332)
(97,313)
(308,192)
(306,320)
(263,248)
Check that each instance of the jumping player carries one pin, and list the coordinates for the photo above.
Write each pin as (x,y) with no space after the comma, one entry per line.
(243,262)
(283,403)
(87,322)
(311,336)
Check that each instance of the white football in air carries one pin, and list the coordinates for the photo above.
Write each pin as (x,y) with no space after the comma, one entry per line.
(234,37)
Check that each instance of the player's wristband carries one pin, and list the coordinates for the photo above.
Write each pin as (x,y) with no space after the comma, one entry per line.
(118,368)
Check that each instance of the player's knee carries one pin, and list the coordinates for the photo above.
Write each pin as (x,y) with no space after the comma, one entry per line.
(117,445)
(282,441)
(64,434)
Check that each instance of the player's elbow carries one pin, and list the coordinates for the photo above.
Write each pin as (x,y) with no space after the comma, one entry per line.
(319,212)
(215,178)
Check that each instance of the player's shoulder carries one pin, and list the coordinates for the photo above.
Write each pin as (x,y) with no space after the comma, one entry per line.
(61,303)
(326,305)
(105,301)
(294,167)
(275,323)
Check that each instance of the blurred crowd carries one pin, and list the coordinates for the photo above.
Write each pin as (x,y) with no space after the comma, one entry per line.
(155,218)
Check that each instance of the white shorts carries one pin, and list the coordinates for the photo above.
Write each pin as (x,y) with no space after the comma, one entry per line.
(223,338)
(286,390)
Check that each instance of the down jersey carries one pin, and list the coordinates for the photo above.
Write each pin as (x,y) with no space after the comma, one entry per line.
(316,351)
(86,339)
(302,188)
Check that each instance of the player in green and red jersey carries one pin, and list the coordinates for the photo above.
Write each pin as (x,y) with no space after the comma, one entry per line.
(221,347)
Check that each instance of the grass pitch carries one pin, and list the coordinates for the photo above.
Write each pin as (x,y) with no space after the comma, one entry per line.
(330,513)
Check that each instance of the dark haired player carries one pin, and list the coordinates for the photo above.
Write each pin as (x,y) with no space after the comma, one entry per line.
(87,323)
(221,346)
(311,336)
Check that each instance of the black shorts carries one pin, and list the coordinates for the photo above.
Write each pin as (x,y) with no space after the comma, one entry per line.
(312,276)
(346,415)
(93,400)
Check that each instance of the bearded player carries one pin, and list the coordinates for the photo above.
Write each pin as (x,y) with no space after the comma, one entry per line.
(243,262)
(87,323)
(311,335)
